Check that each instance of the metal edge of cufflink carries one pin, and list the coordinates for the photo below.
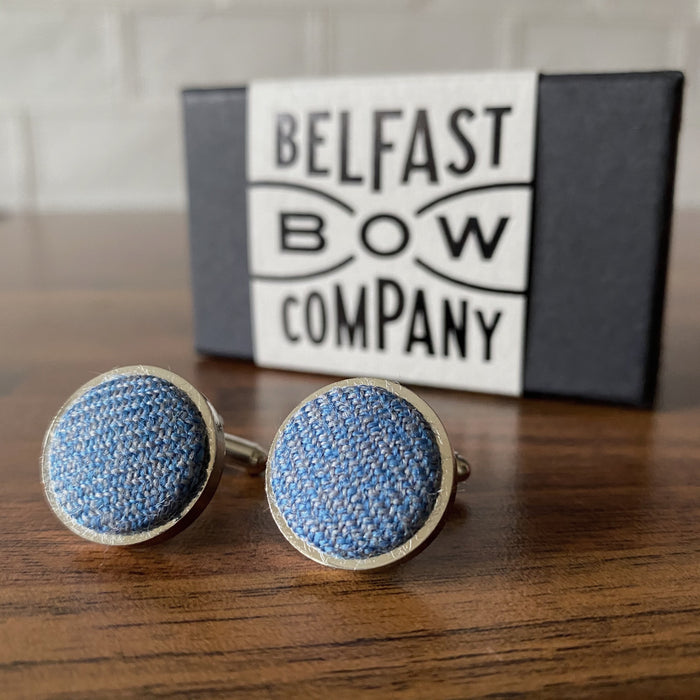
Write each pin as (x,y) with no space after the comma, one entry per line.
(215,435)
(430,527)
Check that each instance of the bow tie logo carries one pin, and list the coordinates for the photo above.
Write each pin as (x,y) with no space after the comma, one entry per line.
(387,235)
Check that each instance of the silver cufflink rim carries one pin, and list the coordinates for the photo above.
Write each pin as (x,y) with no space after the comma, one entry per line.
(222,448)
(454,469)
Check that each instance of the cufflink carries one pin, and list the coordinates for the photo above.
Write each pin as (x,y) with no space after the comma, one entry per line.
(361,473)
(135,455)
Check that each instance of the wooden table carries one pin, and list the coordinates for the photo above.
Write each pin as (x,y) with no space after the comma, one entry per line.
(569,565)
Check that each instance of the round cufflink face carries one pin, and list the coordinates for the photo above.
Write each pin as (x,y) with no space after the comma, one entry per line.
(132,456)
(360,474)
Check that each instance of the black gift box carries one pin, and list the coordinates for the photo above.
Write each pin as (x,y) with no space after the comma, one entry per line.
(604,163)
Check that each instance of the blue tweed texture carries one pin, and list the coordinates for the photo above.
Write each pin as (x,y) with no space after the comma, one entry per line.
(356,472)
(128,455)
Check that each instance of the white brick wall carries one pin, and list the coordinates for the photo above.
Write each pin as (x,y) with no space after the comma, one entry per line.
(116,157)
(580,45)
(89,106)
(202,47)
(375,41)
(14,187)
(48,54)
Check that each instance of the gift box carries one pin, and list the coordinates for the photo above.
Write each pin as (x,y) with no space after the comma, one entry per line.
(495,232)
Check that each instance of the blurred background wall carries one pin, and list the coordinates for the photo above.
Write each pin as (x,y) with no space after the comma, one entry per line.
(89,102)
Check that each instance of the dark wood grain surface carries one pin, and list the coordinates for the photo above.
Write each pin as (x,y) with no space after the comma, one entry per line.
(568,567)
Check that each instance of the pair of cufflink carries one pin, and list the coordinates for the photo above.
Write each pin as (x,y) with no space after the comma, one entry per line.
(359,475)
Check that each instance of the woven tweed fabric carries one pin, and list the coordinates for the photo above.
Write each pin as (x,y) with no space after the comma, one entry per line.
(128,455)
(356,472)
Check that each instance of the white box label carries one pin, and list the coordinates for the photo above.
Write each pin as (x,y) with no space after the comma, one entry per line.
(389,226)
